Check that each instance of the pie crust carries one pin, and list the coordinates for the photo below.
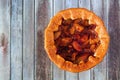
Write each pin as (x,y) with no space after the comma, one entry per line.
(75,13)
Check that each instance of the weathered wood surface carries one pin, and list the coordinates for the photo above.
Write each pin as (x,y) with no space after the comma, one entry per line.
(114,48)
(28,40)
(4,39)
(22,54)
(42,62)
(16,41)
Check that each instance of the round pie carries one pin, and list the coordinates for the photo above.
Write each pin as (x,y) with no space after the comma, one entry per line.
(76,39)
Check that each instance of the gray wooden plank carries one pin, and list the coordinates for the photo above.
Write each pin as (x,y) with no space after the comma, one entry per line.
(42,62)
(106,11)
(114,48)
(28,40)
(4,39)
(100,71)
(71,76)
(16,40)
(71,4)
(51,15)
(86,74)
(58,74)
(58,5)
(98,8)
(84,4)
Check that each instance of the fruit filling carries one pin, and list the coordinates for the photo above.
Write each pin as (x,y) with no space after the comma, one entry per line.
(76,40)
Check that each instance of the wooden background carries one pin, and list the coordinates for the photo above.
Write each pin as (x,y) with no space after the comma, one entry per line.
(22,54)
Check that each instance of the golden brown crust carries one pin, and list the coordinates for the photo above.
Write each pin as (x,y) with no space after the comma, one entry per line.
(75,13)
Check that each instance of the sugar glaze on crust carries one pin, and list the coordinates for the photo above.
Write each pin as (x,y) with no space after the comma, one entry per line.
(75,13)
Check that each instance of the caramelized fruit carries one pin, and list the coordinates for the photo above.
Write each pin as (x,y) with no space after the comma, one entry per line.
(76,40)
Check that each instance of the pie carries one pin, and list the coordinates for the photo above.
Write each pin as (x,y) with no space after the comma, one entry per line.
(76,39)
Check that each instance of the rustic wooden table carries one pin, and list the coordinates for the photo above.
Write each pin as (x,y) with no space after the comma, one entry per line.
(22,54)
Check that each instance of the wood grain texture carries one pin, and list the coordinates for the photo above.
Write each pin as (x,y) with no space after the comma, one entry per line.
(58,5)
(71,3)
(42,62)
(84,4)
(100,71)
(51,2)
(106,11)
(16,40)
(4,39)
(58,74)
(28,40)
(114,48)
(22,54)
